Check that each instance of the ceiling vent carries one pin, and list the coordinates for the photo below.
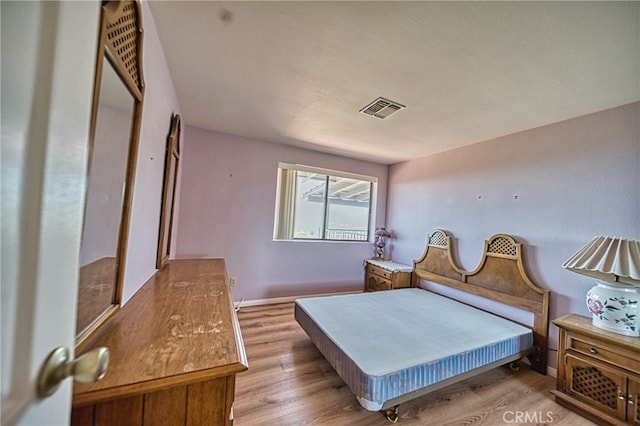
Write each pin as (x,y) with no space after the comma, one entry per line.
(381,108)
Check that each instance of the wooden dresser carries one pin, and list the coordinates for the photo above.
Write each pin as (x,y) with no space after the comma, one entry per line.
(175,349)
(386,275)
(598,372)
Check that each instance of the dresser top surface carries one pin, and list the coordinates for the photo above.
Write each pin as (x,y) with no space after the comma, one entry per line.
(181,323)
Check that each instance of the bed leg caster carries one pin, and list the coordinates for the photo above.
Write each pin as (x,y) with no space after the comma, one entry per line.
(392,414)
(514,366)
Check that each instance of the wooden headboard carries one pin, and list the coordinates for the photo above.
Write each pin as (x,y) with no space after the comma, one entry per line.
(501,276)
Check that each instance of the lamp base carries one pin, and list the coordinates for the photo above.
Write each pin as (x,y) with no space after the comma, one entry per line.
(614,307)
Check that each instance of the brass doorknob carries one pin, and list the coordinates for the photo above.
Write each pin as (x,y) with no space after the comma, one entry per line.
(88,367)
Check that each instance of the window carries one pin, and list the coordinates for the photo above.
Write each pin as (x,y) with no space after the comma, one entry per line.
(320,204)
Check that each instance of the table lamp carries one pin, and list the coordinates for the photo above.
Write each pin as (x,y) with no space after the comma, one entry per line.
(381,236)
(614,302)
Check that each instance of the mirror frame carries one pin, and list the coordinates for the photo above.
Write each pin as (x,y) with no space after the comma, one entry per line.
(120,42)
(171,165)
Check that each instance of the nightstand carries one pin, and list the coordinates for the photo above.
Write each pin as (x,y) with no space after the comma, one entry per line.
(598,372)
(386,275)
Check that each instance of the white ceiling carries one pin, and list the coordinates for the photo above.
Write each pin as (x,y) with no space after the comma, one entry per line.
(298,72)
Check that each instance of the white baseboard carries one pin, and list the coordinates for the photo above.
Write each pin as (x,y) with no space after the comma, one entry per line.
(287,299)
(552,371)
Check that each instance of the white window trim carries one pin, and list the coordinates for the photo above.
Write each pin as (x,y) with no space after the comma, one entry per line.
(285,199)
(320,170)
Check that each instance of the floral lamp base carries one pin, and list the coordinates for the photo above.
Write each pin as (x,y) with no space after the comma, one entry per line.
(615,308)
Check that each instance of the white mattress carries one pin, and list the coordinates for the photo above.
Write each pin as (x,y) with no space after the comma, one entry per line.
(391,343)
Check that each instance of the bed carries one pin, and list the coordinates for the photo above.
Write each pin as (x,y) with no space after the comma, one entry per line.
(423,341)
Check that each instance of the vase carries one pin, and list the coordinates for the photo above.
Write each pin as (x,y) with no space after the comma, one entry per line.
(614,307)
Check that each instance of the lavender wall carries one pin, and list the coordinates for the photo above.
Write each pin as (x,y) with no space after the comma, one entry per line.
(552,187)
(160,103)
(227,210)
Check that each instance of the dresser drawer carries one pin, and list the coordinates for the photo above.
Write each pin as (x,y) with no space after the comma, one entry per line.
(598,350)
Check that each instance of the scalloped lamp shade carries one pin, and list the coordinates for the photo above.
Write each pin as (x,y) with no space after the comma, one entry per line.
(615,264)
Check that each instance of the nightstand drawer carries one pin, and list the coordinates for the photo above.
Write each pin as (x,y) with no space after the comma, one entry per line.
(379,285)
(596,350)
(379,271)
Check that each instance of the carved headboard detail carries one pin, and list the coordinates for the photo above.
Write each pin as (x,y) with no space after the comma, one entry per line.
(437,259)
(500,276)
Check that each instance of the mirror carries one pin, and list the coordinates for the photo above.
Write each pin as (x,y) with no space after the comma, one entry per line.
(104,203)
(172,161)
(117,106)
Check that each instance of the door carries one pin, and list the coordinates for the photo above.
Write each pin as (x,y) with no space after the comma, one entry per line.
(633,400)
(48,62)
(596,384)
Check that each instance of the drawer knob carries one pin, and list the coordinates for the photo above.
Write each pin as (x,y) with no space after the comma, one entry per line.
(621,395)
(593,350)
(630,399)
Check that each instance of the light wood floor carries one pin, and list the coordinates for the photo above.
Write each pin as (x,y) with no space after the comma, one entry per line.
(290,383)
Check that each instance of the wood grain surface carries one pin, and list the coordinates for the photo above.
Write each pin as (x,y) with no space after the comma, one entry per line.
(180,328)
